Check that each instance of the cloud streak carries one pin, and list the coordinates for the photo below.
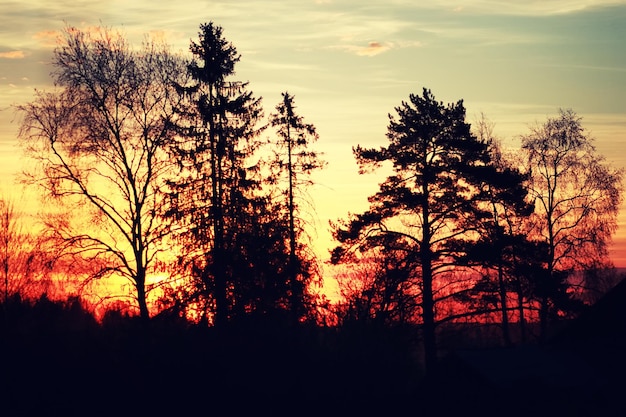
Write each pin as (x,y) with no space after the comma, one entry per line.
(373,48)
(12,55)
(514,7)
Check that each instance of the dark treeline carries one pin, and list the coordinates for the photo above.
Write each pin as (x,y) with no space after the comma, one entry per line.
(163,170)
(58,360)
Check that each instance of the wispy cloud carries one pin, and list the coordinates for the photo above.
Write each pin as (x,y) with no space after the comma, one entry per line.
(374,48)
(12,55)
(516,7)
(371,49)
(47,38)
(484,35)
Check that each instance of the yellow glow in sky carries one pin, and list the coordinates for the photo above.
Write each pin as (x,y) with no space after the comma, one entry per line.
(349,63)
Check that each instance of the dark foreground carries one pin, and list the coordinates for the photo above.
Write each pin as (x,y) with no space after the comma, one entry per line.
(57,361)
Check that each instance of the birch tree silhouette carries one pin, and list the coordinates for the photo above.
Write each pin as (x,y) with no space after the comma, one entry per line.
(577,197)
(100,141)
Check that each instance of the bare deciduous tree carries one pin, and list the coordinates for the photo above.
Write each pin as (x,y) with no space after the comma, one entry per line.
(577,197)
(100,139)
(24,260)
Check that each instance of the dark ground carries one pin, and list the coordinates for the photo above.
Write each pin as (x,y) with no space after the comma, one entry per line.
(58,361)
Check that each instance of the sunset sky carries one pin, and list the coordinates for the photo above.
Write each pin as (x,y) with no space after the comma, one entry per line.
(349,63)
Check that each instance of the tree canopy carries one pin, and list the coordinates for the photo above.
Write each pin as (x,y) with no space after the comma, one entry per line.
(431,207)
(577,198)
(100,139)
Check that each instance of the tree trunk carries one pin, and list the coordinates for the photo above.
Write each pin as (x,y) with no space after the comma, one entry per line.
(428,303)
(547,287)
(428,315)
(506,334)
(543,320)
(293,270)
(520,307)
(141,294)
(218,265)
(217,140)
(221,307)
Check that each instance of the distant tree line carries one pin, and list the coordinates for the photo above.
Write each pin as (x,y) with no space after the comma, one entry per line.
(159,167)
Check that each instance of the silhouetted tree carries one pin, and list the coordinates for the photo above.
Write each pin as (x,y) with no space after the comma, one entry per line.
(216,192)
(24,261)
(296,161)
(577,198)
(502,234)
(432,202)
(100,140)
(381,290)
(597,280)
